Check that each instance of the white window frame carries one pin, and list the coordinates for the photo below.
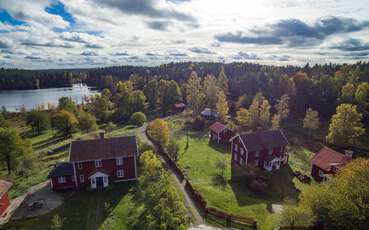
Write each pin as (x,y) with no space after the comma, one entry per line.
(82,178)
(98,163)
(242,151)
(93,180)
(79,165)
(321,173)
(61,179)
(119,161)
(257,153)
(120,173)
(235,147)
(105,179)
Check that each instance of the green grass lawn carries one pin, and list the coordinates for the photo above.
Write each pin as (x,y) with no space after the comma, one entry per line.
(232,195)
(92,210)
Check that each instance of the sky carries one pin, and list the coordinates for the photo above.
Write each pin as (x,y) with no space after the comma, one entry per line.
(43,34)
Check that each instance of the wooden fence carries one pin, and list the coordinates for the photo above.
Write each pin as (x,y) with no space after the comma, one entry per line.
(227,219)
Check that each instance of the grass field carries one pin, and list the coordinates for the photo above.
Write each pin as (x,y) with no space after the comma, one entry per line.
(232,195)
(107,209)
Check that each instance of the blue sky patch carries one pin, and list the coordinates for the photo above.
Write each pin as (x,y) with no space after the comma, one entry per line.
(6,18)
(58,8)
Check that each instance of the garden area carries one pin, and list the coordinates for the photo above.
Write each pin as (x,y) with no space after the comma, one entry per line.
(231,192)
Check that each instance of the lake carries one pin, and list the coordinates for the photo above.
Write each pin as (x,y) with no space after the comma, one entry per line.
(13,100)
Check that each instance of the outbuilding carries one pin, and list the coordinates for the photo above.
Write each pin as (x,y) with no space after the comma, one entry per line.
(4,197)
(220,133)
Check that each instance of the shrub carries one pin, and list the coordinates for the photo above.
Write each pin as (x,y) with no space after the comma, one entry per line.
(138,119)
(198,123)
(110,127)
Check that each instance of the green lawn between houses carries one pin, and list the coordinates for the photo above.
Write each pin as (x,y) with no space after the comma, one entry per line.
(198,163)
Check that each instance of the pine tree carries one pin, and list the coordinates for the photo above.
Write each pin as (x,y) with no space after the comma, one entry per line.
(222,106)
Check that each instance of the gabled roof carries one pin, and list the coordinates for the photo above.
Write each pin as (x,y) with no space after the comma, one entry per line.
(103,148)
(217,127)
(62,169)
(263,140)
(327,157)
(4,187)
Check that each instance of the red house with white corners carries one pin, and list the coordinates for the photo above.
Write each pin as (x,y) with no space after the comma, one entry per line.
(327,162)
(97,163)
(266,149)
(220,133)
(4,197)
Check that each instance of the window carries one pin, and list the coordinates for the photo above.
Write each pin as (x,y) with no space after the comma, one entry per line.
(257,154)
(120,161)
(235,147)
(242,151)
(120,173)
(93,180)
(98,164)
(321,173)
(61,179)
(79,165)
(82,178)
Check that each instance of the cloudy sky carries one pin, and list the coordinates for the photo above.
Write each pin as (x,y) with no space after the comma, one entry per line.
(80,33)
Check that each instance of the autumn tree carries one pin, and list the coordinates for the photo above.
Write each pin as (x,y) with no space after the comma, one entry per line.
(243,117)
(223,81)
(345,126)
(282,107)
(222,106)
(173,149)
(65,122)
(170,93)
(195,95)
(264,113)
(38,120)
(100,107)
(362,98)
(255,109)
(211,90)
(244,101)
(347,93)
(3,122)
(13,149)
(159,131)
(311,120)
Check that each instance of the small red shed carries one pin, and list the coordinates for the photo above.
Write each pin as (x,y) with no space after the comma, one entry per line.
(326,162)
(4,197)
(220,133)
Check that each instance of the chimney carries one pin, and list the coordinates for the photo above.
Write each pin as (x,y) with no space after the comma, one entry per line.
(102,134)
(349,153)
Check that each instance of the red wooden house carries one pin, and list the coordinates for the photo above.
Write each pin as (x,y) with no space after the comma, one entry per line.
(178,107)
(220,133)
(326,162)
(266,149)
(97,163)
(4,197)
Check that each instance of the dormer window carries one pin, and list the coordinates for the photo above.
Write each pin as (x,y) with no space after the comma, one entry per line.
(98,164)
(119,161)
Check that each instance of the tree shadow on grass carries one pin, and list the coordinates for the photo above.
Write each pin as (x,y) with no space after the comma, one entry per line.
(225,149)
(280,187)
(219,181)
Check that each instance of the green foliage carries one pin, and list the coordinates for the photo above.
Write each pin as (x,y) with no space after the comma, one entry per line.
(345,126)
(65,122)
(195,95)
(163,207)
(223,81)
(362,97)
(282,107)
(221,165)
(57,222)
(173,149)
(211,90)
(14,150)
(311,120)
(255,109)
(87,122)
(170,93)
(152,93)
(347,93)
(244,101)
(66,103)
(222,106)
(276,121)
(110,127)
(101,106)
(138,119)
(343,202)
(243,117)
(293,216)
(38,120)
(3,122)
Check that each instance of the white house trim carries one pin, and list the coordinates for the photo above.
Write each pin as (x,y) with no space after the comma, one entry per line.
(104,177)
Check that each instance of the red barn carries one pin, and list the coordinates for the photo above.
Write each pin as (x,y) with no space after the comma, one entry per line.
(326,162)
(4,197)
(178,108)
(266,149)
(97,163)
(220,133)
